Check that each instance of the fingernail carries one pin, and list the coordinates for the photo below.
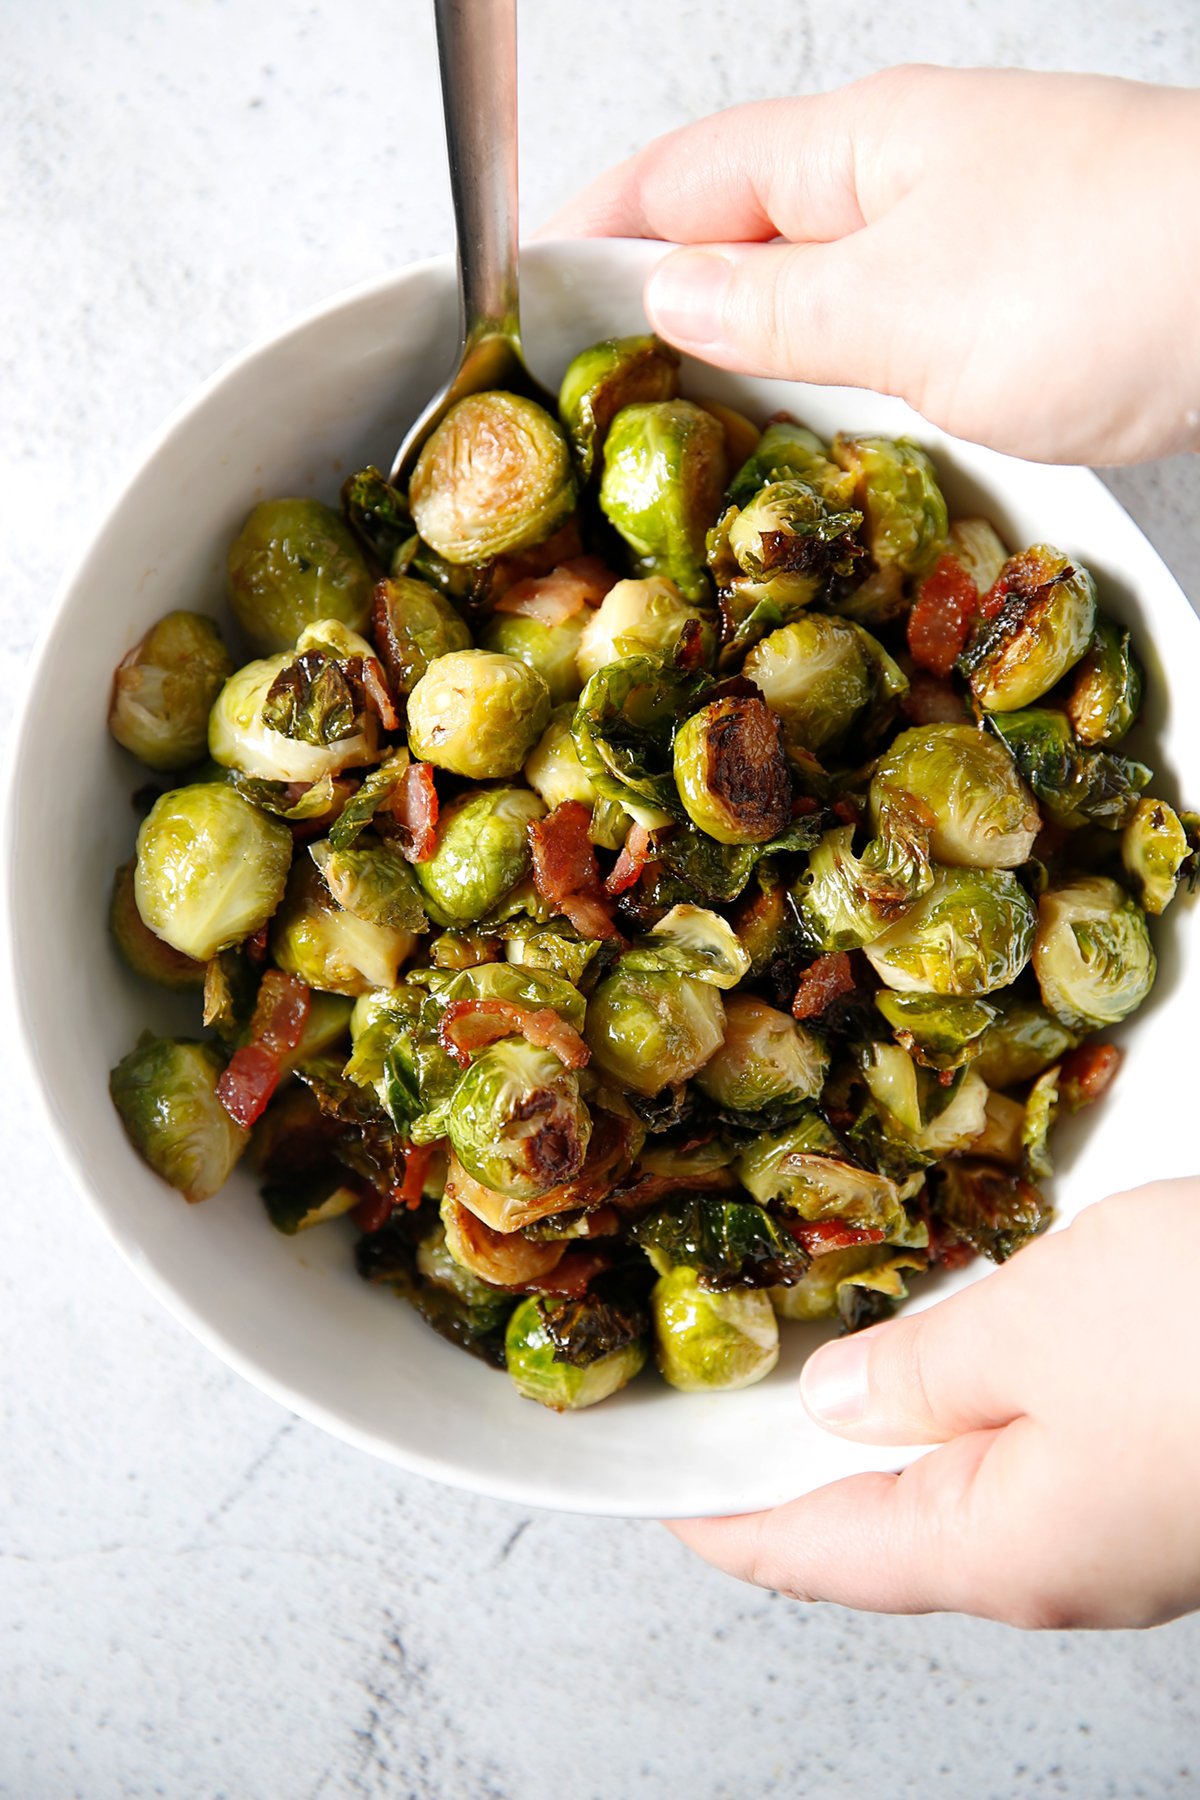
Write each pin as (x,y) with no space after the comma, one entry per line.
(833,1384)
(685,295)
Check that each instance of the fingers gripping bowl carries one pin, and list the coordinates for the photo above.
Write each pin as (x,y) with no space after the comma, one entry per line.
(294,417)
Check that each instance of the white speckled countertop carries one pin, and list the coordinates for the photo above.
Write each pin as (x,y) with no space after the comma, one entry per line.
(200,1595)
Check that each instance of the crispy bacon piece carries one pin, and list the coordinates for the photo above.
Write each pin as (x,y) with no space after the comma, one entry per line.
(379,695)
(551,599)
(417,1158)
(565,870)
(247,1084)
(415,809)
(819,1236)
(845,809)
(468,1026)
(943,612)
(932,701)
(635,854)
(823,982)
(574,1273)
(373,1211)
(1087,1073)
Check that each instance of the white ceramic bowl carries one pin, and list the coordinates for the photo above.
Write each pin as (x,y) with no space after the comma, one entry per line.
(292,416)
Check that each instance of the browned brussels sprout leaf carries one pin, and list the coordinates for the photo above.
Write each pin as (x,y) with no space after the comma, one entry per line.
(585,1329)
(1075,786)
(1106,689)
(377,515)
(729,1243)
(602,379)
(312,700)
(991,1209)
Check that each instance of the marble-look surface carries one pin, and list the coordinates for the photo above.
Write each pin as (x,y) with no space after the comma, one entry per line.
(200,1595)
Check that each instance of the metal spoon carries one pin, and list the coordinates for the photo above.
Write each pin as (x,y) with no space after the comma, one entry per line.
(477,50)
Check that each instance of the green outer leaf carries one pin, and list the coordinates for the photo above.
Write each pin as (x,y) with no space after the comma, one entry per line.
(729,1243)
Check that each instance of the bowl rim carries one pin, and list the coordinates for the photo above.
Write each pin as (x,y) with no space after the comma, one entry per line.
(451,1466)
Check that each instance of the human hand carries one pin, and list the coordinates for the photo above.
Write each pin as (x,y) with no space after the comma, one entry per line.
(1015,254)
(1063,1392)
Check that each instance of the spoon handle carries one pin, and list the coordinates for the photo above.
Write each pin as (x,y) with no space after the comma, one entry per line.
(477,46)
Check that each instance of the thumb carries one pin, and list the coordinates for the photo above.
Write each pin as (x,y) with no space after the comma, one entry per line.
(803,312)
(970,1363)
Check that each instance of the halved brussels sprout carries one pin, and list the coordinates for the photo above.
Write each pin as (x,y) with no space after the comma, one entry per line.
(976,547)
(537,1367)
(413,626)
(788,451)
(970,933)
(765,919)
(939,1030)
(503,1258)
(933,1120)
(372,881)
(143,950)
(1106,693)
(896,488)
(782,545)
(731,773)
(649,1031)
(1092,954)
(527,987)
(994,1210)
(1041,631)
(708,1342)
(377,514)
(166,1094)
(615,373)
(1075,786)
(805,1168)
(517,1121)
(482,853)
(640,618)
(741,433)
(494,476)
(438,1262)
(239,737)
(844,901)
(980,813)
(557,948)
(548,649)
(815,675)
(164,688)
(477,714)
(326,947)
(1154,848)
(664,471)
(693,941)
(1024,1040)
(833,1284)
(292,563)
(553,769)
(210,868)
(768,1062)
(624,727)
(377,1019)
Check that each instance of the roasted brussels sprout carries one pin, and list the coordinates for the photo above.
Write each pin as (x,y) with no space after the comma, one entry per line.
(691,940)
(768,1064)
(976,547)
(240,738)
(836,1284)
(705,1341)
(1154,848)
(1075,786)
(994,1210)
(166,1094)
(292,563)
(210,868)
(526,986)
(372,881)
(548,649)
(783,545)
(377,514)
(664,470)
(816,677)
(724,1243)
(164,688)
(144,951)
(939,1030)
(1092,954)
(413,626)
(648,1031)
(624,727)
(610,375)
(970,933)
(538,1367)
(482,853)
(553,769)
(640,618)
(981,814)
(805,1168)
(1024,1040)
(517,1121)
(787,451)
(741,434)
(844,901)
(896,489)
(477,714)
(326,947)
(1106,692)
(495,476)
(731,773)
(933,1120)
(1041,631)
